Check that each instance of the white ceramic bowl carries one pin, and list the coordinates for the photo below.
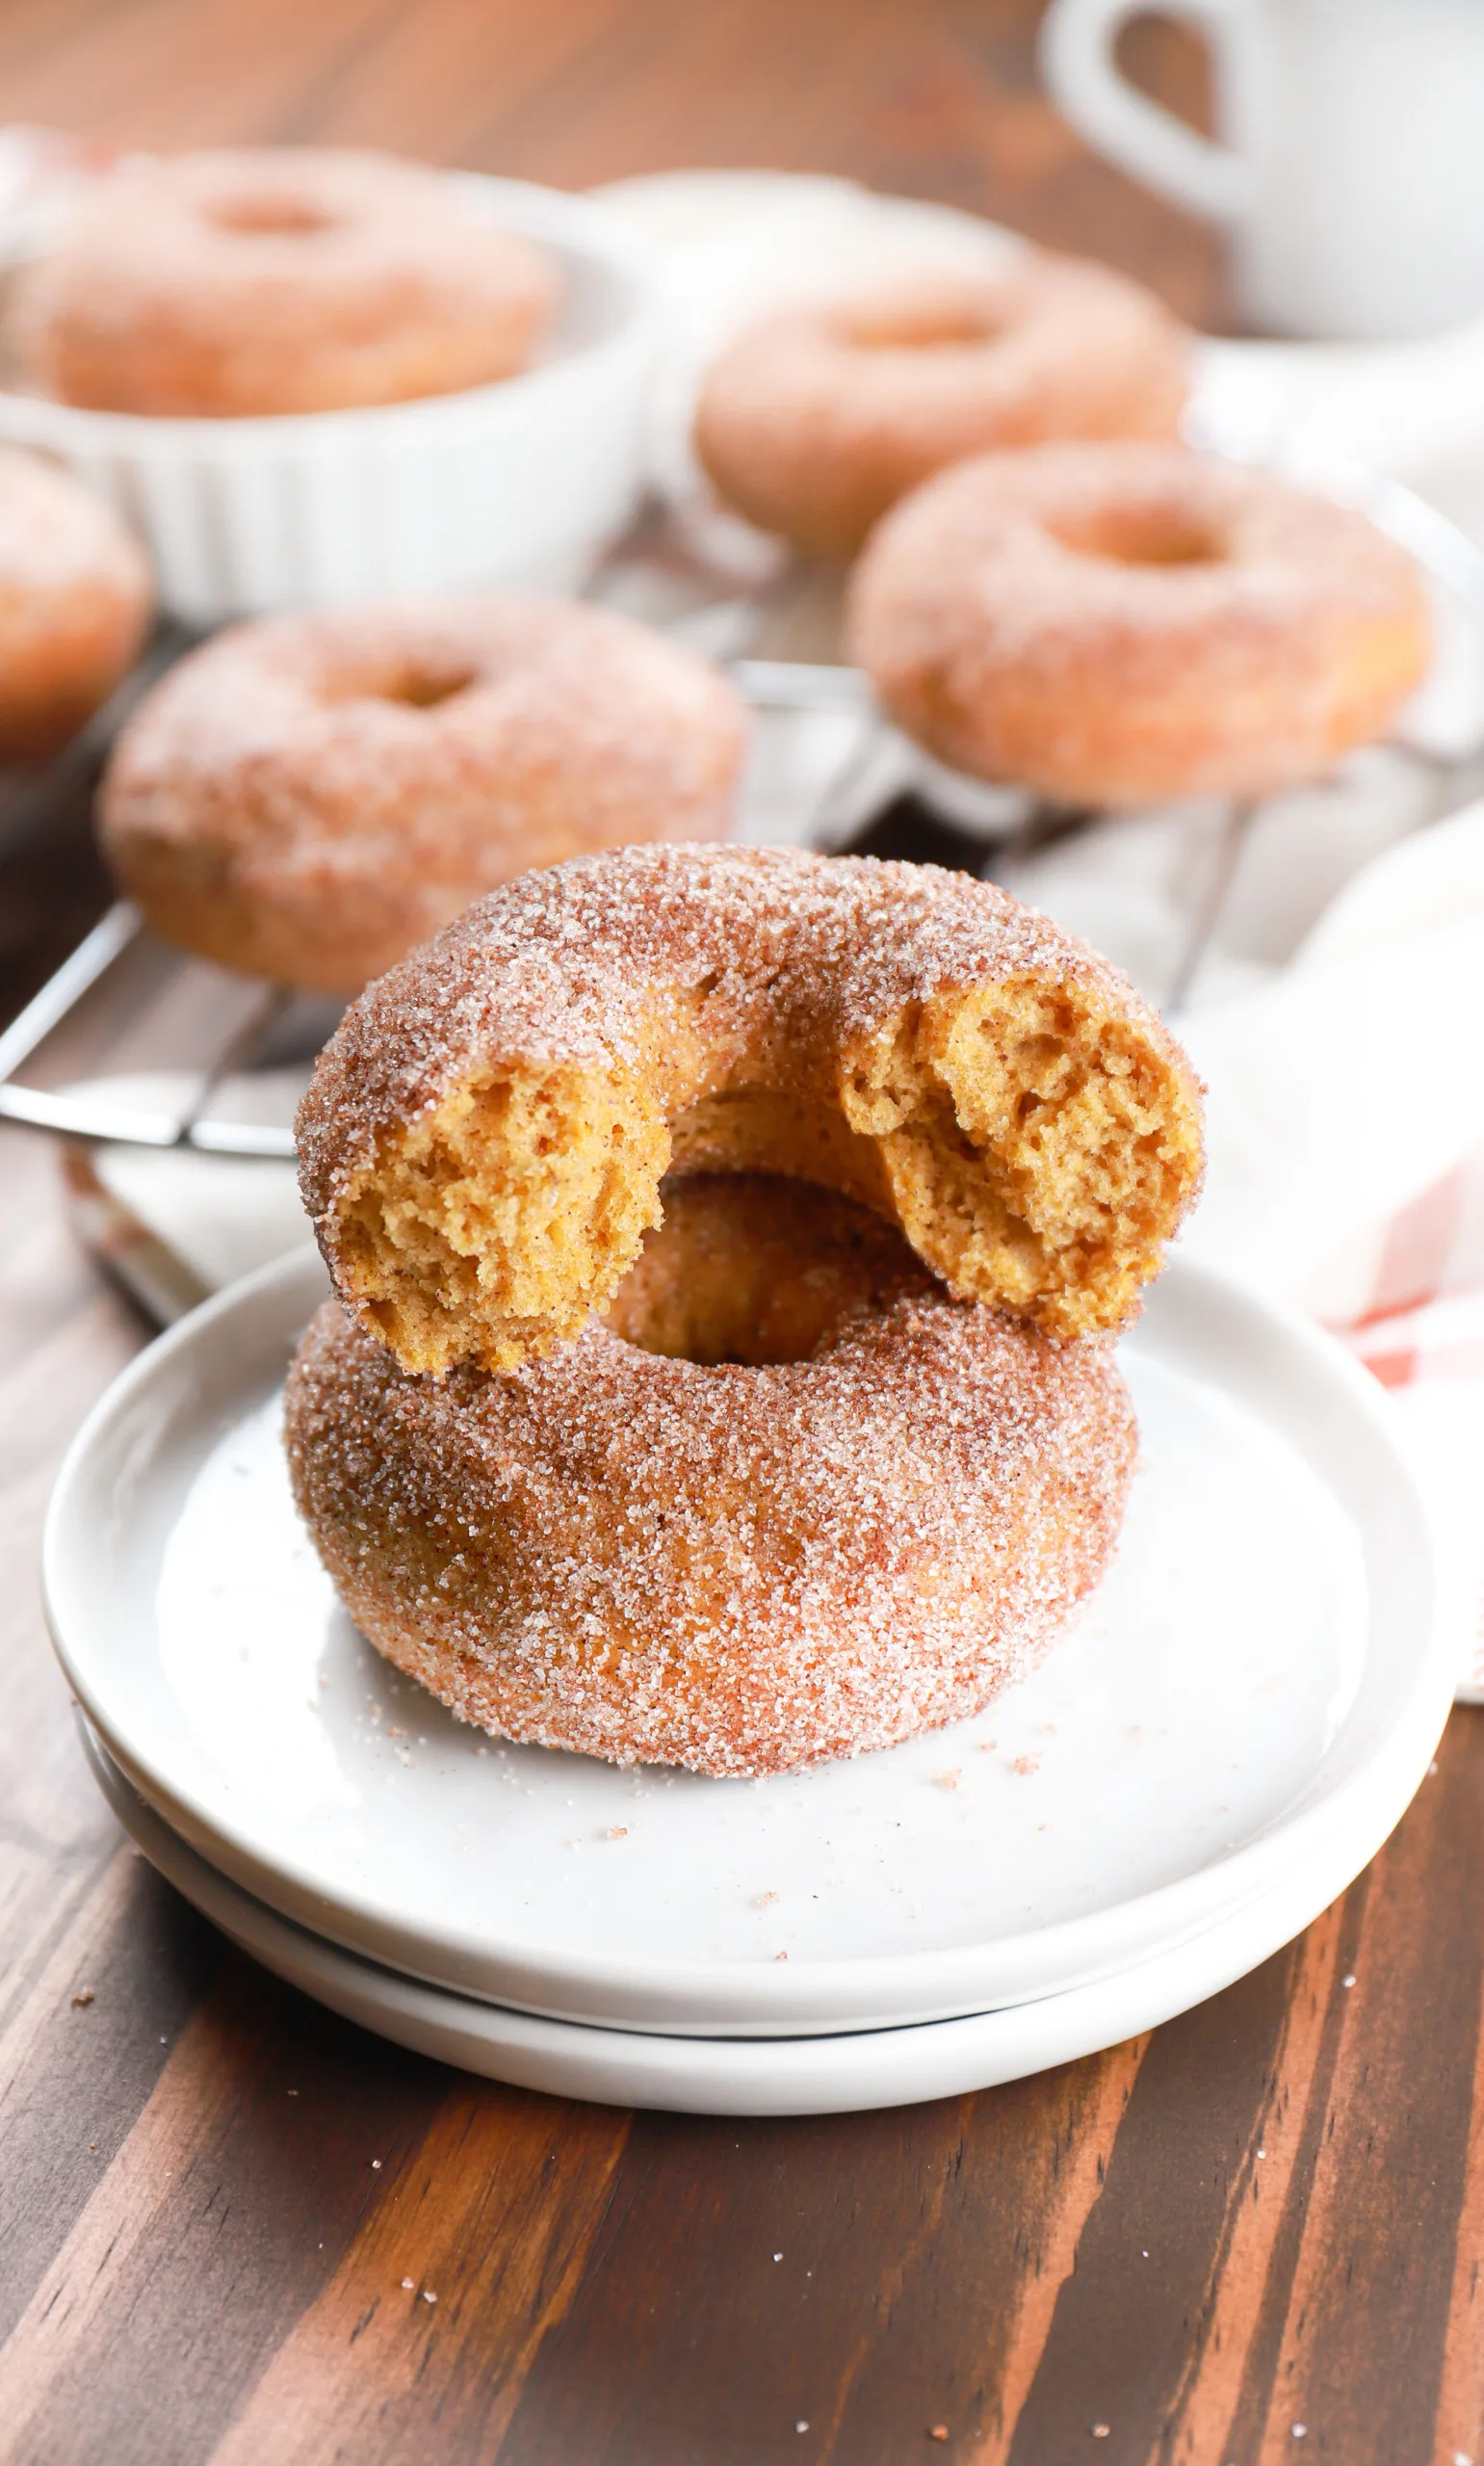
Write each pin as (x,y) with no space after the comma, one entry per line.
(524,481)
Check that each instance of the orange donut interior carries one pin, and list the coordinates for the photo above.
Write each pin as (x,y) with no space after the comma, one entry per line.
(1029,1139)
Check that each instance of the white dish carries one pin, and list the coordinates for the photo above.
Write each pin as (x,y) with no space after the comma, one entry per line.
(526,481)
(1257,1678)
(819,2075)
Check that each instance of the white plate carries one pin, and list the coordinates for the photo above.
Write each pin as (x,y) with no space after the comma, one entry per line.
(1258,1676)
(819,2075)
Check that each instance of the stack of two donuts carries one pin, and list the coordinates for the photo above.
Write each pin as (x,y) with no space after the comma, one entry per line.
(729,1248)
(1052,590)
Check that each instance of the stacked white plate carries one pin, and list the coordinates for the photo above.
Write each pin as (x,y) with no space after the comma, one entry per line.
(1225,1738)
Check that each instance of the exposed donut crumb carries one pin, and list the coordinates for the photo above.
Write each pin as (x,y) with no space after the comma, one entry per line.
(484,1139)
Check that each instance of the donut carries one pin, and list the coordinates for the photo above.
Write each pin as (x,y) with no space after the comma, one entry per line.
(1120,624)
(74,604)
(817,419)
(305,797)
(235,284)
(715,1534)
(483,1143)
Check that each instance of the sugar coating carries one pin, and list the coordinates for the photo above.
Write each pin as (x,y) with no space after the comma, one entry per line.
(1121,622)
(75,603)
(247,281)
(307,797)
(817,419)
(731,1567)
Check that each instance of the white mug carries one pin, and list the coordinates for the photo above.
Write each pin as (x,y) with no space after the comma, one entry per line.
(1350,170)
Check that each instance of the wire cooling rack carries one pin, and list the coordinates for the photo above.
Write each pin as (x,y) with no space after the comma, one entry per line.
(133,1044)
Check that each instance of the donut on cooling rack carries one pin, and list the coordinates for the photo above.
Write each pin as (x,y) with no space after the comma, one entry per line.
(485,1135)
(788,1502)
(817,420)
(305,797)
(1120,624)
(75,603)
(237,284)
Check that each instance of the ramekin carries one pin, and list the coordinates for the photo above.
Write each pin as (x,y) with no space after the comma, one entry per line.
(524,481)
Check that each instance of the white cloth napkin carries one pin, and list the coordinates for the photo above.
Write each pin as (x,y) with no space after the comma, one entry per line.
(1345,1135)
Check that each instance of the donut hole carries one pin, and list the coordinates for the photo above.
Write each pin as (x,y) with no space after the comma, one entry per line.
(413,684)
(757,1269)
(424,689)
(929,325)
(269,217)
(1141,535)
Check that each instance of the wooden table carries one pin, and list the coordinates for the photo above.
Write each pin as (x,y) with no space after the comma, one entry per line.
(1255,2235)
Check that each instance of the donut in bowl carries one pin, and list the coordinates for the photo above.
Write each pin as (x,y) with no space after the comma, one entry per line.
(789,1502)
(75,605)
(253,283)
(483,1143)
(816,420)
(1121,623)
(307,797)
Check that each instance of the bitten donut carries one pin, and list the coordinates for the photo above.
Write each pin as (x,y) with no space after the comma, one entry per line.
(694,1538)
(817,419)
(484,1140)
(75,603)
(1119,623)
(305,797)
(236,284)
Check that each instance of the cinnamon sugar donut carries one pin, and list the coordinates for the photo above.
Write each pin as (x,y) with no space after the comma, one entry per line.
(236,284)
(690,1538)
(484,1138)
(817,420)
(305,797)
(75,603)
(1119,623)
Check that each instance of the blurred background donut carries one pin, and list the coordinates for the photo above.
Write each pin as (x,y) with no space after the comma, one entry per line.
(75,603)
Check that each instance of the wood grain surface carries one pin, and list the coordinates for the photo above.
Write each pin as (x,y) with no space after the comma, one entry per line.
(1255,2235)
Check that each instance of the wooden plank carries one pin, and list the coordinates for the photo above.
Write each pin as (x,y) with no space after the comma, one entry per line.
(227,2206)
(937,100)
(442,2304)
(889,2268)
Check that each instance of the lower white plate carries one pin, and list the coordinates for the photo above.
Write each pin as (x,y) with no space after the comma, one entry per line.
(817,2075)
(1256,1685)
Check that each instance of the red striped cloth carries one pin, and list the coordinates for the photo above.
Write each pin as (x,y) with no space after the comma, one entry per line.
(1414,1314)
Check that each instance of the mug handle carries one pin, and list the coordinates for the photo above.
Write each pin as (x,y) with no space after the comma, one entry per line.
(1077,60)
